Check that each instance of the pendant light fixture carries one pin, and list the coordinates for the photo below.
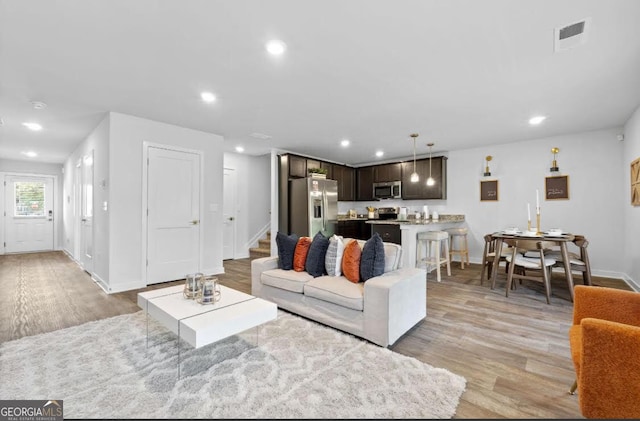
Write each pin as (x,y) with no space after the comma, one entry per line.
(414,175)
(430,180)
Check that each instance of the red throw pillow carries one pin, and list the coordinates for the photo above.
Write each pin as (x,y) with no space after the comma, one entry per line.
(300,253)
(351,261)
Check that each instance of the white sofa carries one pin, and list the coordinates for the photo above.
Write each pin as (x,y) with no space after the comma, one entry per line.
(380,310)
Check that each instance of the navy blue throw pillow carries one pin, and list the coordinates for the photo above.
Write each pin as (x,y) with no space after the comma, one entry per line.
(286,248)
(315,257)
(372,259)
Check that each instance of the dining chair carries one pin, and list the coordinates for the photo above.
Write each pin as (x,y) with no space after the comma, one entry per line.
(541,265)
(489,257)
(578,262)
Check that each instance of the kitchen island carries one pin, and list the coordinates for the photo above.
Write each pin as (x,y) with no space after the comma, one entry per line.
(410,228)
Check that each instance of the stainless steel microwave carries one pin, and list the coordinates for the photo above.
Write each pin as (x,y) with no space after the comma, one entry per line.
(387,190)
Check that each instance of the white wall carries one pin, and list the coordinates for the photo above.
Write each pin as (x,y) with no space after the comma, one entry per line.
(597,194)
(253,199)
(117,143)
(127,134)
(592,160)
(98,142)
(40,168)
(631,152)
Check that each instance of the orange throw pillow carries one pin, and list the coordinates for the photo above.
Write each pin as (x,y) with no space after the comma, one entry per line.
(351,261)
(300,253)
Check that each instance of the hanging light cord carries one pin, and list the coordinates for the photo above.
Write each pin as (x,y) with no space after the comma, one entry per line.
(414,176)
(414,154)
(430,180)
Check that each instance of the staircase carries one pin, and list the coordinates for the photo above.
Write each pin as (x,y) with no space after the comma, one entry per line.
(263,249)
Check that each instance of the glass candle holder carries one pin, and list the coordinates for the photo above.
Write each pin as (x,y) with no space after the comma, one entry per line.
(192,285)
(210,291)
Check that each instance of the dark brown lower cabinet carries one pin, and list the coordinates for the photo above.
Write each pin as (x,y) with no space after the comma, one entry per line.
(357,229)
(390,233)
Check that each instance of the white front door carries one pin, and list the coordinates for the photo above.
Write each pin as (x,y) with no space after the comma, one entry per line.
(229,214)
(173,214)
(28,213)
(86,214)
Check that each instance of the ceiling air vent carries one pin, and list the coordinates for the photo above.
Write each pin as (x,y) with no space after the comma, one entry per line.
(572,35)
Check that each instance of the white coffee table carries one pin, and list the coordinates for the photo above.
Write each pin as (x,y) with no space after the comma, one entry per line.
(200,325)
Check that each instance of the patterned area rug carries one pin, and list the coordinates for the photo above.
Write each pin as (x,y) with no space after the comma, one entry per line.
(289,368)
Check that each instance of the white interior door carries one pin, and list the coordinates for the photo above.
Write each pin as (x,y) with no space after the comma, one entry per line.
(28,213)
(173,214)
(229,214)
(86,214)
(77,210)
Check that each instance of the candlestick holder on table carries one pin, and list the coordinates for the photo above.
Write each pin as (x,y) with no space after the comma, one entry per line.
(538,232)
(529,225)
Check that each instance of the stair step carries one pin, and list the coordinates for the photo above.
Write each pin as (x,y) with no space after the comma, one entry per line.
(264,244)
(263,249)
(258,252)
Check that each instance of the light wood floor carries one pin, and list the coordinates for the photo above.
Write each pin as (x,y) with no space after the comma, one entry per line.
(514,351)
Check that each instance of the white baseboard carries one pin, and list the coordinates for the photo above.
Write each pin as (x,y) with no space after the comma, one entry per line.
(219,270)
(119,287)
(601,273)
(633,284)
(101,283)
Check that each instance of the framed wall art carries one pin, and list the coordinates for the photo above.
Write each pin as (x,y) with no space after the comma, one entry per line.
(489,190)
(635,182)
(556,187)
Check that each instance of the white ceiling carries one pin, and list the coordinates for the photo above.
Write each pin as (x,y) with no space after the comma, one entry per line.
(461,73)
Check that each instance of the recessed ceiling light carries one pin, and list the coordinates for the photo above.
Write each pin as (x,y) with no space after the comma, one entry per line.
(239,149)
(345,143)
(536,120)
(208,97)
(38,105)
(30,154)
(276,47)
(379,153)
(33,126)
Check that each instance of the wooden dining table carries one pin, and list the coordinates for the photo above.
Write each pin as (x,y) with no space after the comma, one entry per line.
(560,240)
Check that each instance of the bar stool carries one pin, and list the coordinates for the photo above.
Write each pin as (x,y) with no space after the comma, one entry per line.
(463,245)
(436,244)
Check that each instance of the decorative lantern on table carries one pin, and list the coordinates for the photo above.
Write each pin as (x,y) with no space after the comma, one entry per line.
(210,291)
(192,285)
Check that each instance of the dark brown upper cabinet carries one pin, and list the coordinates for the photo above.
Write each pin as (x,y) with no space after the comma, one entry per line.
(420,190)
(297,166)
(328,167)
(387,172)
(346,178)
(364,183)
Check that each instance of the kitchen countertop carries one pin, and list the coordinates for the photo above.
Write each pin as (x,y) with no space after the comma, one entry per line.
(444,219)
(411,220)
(346,218)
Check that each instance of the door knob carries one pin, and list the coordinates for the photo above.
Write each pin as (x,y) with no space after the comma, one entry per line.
(194,222)
(231,218)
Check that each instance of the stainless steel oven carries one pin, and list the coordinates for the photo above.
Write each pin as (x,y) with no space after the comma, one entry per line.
(387,190)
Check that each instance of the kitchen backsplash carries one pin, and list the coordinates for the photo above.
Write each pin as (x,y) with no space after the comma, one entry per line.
(412,206)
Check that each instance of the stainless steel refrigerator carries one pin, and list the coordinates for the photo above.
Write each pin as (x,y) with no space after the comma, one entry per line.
(313,206)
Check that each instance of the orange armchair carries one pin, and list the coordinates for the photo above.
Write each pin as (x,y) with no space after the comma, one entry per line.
(605,348)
